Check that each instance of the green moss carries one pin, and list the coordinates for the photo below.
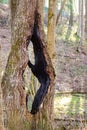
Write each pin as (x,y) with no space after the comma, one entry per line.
(61,128)
(50,15)
(27,125)
(17,122)
(14,57)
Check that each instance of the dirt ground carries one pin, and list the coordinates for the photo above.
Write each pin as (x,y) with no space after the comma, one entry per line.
(71,68)
(70,104)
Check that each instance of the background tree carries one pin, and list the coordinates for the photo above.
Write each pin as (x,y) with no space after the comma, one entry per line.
(82,19)
(80,25)
(60,11)
(51,27)
(69,30)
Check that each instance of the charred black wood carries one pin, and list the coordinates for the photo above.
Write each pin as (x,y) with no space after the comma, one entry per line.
(39,70)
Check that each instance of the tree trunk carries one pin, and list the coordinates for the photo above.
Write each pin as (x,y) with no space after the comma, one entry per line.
(44,119)
(69,30)
(51,28)
(80,28)
(58,16)
(14,95)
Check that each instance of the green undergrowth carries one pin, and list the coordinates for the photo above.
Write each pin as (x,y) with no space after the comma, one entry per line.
(70,106)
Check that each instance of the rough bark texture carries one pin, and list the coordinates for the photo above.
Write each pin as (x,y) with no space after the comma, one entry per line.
(45,118)
(12,83)
(14,96)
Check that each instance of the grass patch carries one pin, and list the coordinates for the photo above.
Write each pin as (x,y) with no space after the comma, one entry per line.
(70,105)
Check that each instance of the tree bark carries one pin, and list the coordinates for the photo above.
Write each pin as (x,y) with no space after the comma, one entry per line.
(14,95)
(69,30)
(44,120)
(80,28)
(51,28)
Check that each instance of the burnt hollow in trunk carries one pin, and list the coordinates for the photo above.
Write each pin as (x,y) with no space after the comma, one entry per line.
(39,69)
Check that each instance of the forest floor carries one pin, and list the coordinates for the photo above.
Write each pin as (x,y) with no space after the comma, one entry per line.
(70,84)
